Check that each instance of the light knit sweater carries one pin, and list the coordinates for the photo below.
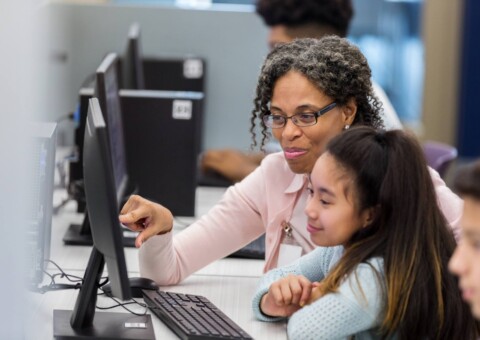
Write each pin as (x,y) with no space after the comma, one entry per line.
(355,310)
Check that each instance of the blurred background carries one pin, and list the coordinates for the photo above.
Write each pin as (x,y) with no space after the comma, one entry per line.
(415,49)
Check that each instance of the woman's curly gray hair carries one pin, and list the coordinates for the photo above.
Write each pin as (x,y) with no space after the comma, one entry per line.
(333,64)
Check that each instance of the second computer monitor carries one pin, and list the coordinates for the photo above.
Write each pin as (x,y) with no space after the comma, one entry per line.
(106,91)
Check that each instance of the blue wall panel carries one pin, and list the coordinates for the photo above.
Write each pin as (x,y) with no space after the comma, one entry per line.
(469,118)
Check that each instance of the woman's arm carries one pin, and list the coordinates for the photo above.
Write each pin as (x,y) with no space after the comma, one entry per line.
(232,223)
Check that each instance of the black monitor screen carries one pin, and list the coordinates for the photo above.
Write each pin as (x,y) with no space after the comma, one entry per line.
(107,93)
(101,199)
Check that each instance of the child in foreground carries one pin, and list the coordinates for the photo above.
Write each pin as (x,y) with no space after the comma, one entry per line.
(381,268)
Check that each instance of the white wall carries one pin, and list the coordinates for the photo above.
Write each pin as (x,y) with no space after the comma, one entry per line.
(21,41)
(233,44)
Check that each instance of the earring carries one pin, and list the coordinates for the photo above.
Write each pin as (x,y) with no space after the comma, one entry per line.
(347,126)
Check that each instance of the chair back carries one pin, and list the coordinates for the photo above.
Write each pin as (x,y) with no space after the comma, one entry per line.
(439,155)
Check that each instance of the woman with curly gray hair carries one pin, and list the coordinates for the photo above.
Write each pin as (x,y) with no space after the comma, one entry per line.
(332,66)
(308,92)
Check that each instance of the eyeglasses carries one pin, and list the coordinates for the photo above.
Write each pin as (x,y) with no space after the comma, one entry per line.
(300,119)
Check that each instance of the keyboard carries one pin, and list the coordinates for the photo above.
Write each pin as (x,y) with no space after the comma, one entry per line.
(192,316)
(253,250)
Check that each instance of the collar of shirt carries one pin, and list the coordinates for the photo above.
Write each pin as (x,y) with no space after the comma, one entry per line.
(297,183)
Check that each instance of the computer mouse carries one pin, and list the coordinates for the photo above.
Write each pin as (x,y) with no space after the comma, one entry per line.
(137,284)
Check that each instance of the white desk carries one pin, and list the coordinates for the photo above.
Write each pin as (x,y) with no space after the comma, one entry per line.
(231,294)
(228,283)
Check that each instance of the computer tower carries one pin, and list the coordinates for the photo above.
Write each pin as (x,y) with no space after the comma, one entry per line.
(43,140)
(174,73)
(162,140)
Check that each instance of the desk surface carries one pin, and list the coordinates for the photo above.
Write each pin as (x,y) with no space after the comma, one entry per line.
(231,294)
(228,283)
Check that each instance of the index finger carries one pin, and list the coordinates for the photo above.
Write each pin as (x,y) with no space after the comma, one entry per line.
(130,204)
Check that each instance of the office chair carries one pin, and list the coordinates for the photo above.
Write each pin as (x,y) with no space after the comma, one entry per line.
(439,156)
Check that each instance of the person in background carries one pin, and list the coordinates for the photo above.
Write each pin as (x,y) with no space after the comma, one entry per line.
(380,270)
(308,92)
(289,20)
(466,260)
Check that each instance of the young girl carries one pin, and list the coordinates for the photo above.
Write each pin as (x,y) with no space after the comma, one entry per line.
(381,268)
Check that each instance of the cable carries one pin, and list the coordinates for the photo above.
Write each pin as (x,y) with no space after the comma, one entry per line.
(56,286)
(124,304)
(77,281)
(77,284)
(63,274)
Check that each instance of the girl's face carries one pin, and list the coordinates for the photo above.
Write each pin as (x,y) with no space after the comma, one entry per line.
(292,94)
(465,262)
(332,212)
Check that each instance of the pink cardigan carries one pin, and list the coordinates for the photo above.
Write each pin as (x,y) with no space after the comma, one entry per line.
(258,204)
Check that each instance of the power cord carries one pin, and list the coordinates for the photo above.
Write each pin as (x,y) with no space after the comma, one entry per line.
(124,304)
(53,286)
(77,281)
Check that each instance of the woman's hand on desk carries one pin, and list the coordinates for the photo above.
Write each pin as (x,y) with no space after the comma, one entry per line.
(287,295)
(146,217)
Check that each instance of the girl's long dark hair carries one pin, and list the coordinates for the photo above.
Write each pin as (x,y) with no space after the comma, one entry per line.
(409,232)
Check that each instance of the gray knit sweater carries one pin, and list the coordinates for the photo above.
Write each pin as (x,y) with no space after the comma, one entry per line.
(356,309)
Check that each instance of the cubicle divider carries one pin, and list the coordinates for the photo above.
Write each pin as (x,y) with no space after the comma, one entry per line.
(185,73)
(162,139)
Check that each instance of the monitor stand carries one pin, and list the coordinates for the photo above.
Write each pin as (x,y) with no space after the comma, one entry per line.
(83,322)
(105,326)
(80,234)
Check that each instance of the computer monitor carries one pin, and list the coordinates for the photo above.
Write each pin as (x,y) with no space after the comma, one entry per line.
(106,90)
(40,213)
(75,175)
(101,194)
(132,64)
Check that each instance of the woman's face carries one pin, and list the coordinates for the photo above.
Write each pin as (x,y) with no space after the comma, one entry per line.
(292,94)
(333,217)
(465,262)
